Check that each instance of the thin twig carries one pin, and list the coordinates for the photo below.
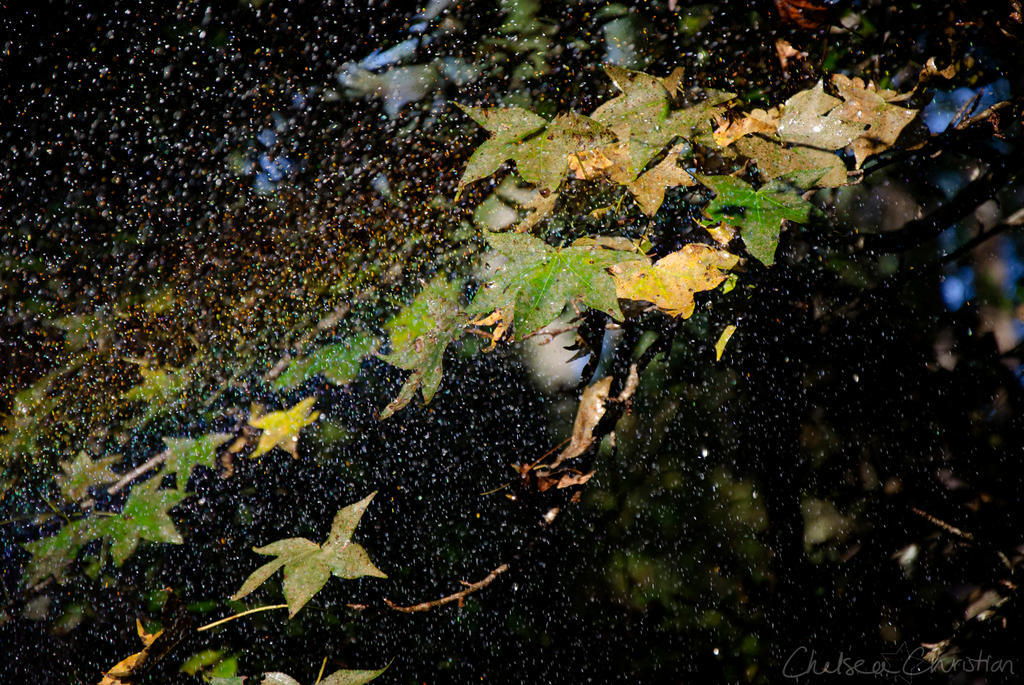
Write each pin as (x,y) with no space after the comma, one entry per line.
(142,468)
(456,597)
(222,621)
(942,524)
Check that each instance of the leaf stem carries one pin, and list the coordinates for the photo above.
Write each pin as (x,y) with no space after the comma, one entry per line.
(222,621)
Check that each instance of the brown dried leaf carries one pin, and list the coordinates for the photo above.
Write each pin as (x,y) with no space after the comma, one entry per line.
(807,14)
(501,319)
(785,52)
(811,118)
(611,161)
(758,121)
(673,82)
(864,105)
(590,412)
(127,667)
(569,479)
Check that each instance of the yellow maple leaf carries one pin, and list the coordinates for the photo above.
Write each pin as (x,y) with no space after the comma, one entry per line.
(281,428)
(671,282)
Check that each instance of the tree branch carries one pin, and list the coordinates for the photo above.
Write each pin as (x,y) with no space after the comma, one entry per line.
(456,597)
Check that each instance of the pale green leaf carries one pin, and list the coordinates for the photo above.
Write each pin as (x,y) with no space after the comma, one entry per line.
(302,580)
(275,678)
(775,159)
(351,677)
(258,577)
(543,160)
(307,565)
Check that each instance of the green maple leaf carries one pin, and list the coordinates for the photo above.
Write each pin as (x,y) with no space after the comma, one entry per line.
(184,454)
(537,280)
(507,125)
(83,473)
(144,517)
(308,566)
(338,362)
(420,334)
(759,214)
(51,555)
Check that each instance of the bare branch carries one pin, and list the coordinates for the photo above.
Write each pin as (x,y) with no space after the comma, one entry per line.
(456,597)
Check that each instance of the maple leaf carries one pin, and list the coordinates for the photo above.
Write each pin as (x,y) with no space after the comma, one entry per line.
(810,118)
(759,214)
(775,159)
(420,334)
(308,566)
(641,116)
(864,105)
(351,677)
(144,517)
(184,454)
(83,473)
(338,362)
(281,428)
(537,281)
(343,677)
(121,673)
(507,125)
(540,149)
(543,160)
(649,188)
(51,555)
(161,390)
(758,121)
(671,282)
